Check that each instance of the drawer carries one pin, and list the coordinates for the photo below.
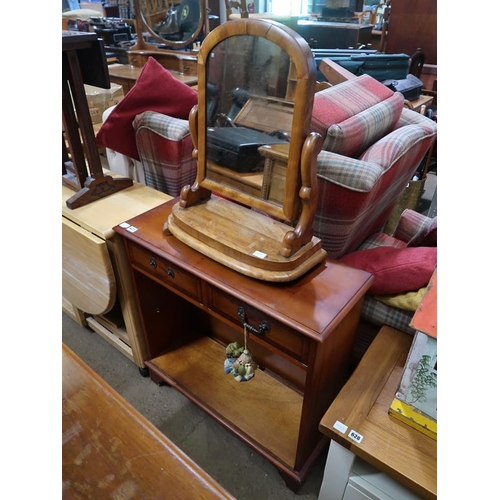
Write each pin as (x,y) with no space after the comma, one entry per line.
(166,272)
(278,335)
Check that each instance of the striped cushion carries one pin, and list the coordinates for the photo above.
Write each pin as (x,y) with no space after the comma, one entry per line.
(340,102)
(165,148)
(354,135)
(354,114)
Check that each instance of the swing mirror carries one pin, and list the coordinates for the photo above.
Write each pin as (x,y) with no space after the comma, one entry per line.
(253,202)
(174,24)
(255,96)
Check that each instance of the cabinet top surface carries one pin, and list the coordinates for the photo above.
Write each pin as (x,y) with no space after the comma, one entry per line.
(363,407)
(313,304)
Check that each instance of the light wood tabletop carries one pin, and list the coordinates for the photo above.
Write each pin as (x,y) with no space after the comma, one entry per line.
(129,72)
(362,409)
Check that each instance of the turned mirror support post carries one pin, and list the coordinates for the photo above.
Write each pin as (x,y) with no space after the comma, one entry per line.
(303,231)
(193,194)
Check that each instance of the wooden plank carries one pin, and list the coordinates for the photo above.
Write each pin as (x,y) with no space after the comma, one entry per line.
(334,72)
(110,337)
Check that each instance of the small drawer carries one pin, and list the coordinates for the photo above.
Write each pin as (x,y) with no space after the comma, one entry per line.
(275,334)
(167,272)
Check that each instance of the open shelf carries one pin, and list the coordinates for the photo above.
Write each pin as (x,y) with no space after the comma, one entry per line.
(262,408)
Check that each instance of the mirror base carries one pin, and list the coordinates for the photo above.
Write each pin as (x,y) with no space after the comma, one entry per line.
(244,240)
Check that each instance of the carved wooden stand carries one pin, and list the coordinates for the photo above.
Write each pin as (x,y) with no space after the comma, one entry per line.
(81,55)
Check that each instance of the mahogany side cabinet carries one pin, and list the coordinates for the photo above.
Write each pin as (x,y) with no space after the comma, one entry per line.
(300,333)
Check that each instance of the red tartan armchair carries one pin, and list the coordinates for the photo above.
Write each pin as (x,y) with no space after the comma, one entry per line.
(372,148)
(165,150)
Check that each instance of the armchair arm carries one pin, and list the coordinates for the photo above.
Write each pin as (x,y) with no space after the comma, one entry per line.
(414,228)
(165,147)
(410,117)
(351,173)
(174,129)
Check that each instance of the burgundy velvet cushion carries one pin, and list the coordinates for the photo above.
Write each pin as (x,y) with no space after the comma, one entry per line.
(396,270)
(156,89)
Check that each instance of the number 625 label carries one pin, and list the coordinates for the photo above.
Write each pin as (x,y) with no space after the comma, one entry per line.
(355,436)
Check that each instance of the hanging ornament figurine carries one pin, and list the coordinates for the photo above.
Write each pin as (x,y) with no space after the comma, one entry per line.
(233,352)
(244,367)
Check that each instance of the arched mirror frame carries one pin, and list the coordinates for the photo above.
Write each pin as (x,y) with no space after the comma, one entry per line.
(141,25)
(301,56)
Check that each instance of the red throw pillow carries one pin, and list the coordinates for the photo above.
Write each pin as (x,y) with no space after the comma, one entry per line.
(396,270)
(156,89)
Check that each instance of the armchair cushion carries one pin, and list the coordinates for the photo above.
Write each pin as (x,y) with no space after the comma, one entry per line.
(353,115)
(156,89)
(396,270)
(408,301)
(411,226)
(352,136)
(348,172)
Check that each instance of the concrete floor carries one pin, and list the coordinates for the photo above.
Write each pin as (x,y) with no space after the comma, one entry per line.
(241,471)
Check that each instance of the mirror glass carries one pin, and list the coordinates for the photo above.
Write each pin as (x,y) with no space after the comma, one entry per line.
(249,110)
(174,24)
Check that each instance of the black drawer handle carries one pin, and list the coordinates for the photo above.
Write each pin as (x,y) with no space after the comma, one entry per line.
(263,327)
(152,262)
(170,273)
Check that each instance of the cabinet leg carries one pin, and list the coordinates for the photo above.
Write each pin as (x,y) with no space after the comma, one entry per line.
(291,483)
(144,371)
(155,378)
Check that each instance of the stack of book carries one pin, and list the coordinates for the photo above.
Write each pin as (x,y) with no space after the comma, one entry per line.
(415,402)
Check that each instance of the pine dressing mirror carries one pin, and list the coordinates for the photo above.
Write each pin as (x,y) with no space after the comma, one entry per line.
(253,203)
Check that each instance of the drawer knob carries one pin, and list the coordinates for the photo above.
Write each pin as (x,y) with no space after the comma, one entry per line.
(263,327)
(152,262)
(171,273)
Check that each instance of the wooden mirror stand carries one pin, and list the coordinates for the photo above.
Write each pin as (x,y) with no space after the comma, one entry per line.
(259,233)
(172,25)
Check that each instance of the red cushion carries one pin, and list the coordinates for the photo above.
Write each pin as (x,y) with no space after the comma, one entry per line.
(156,89)
(396,270)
